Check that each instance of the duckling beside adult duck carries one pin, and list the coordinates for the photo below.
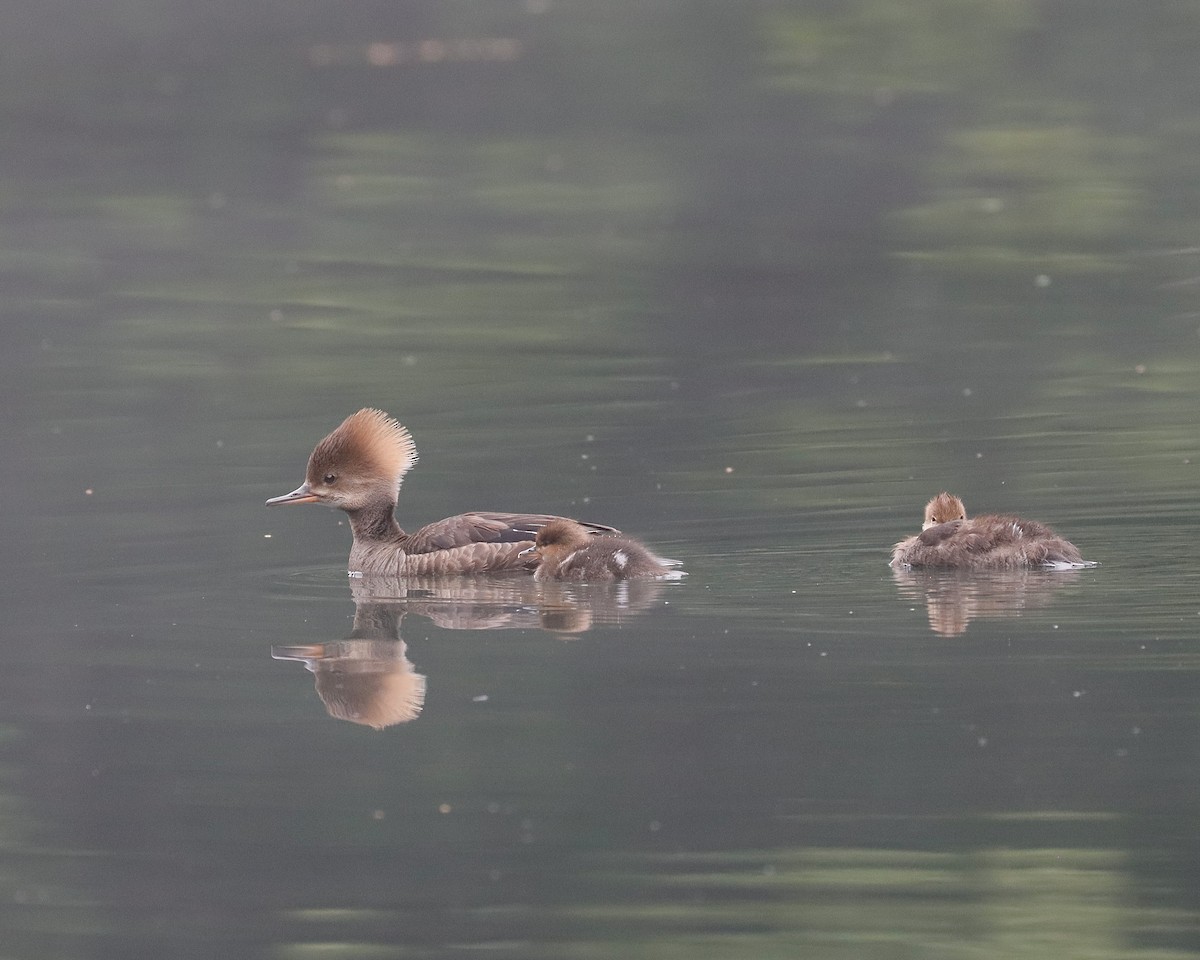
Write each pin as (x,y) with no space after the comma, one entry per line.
(991,542)
(566,551)
(358,468)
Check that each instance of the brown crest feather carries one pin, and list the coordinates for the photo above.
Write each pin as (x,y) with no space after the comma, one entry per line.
(368,442)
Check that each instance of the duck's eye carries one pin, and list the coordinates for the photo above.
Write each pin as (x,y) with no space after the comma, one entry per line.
(329,478)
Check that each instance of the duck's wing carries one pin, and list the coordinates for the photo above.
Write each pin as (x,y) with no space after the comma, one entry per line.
(467,529)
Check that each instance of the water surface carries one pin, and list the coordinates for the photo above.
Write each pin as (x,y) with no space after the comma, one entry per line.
(755,315)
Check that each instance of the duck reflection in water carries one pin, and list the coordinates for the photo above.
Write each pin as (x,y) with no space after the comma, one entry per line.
(510,603)
(953,598)
(367,678)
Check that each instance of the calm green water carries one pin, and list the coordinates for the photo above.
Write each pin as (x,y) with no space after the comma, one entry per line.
(749,282)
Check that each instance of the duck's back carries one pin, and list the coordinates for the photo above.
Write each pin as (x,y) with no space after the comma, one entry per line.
(464,543)
(988,543)
(468,529)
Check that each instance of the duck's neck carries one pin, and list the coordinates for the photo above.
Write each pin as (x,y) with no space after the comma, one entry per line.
(375,523)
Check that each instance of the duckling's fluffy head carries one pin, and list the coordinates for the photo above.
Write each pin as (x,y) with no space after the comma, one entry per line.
(562,535)
(942,509)
(364,459)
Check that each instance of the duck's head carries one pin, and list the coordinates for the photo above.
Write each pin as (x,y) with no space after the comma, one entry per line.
(361,462)
(558,538)
(942,509)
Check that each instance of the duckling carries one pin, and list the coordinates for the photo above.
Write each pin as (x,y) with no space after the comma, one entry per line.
(566,551)
(993,542)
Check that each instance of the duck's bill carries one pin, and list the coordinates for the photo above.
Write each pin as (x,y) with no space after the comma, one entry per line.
(300,495)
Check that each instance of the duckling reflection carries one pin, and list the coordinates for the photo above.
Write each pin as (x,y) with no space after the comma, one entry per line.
(498,602)
(953,598)
(366,678)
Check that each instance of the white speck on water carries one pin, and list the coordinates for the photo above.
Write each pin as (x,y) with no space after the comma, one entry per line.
(482,698)
(966,391)
(982,741)
(1078,693)
(266,536)
(1041,281)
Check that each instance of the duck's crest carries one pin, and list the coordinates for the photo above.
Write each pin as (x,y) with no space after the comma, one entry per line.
(377,442)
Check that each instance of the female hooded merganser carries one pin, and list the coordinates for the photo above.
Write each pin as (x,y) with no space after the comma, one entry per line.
(566,551)
(949,539)
(358,468)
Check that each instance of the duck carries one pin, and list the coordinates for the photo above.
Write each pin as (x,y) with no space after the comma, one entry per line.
(566,550)
(991,542)
(359,467)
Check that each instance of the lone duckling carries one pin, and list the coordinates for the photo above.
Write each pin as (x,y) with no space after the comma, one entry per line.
(993,542)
